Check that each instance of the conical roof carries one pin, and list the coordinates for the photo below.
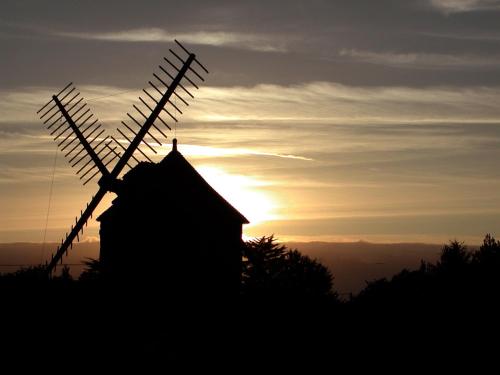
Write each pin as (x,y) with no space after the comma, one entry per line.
(173,180)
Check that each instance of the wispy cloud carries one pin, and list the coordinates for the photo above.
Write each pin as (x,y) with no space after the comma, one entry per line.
(470,36)
(196,151)
(459,6)
(369,144)
(311,103)
(421,60)
(326,102)
(213,38)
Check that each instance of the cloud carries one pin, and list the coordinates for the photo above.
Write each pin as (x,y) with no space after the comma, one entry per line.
(292,133)
(459,6)
(197,151)
(265,106)
(421,60)
(212,38)
(326,102)
(478,37)
(396,146)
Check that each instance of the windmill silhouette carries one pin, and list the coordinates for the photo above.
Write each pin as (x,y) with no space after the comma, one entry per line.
(87,147)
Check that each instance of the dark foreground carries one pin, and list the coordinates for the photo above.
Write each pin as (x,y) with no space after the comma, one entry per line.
(286,315)
(88,324)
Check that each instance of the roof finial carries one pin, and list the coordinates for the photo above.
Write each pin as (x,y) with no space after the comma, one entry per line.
(174,144)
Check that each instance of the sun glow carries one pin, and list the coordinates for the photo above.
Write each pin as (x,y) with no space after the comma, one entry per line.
(245,193)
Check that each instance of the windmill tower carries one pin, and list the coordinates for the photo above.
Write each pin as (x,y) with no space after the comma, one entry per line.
(89,149)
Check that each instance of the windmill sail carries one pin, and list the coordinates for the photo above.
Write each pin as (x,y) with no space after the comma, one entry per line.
(92,152)
(158,102)
(78,133)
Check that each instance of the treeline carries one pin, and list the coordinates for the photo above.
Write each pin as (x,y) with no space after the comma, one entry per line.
(273,271)
(287,309)
(461,278)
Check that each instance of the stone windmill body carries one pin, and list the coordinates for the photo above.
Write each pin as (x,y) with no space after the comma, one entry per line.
(196,236)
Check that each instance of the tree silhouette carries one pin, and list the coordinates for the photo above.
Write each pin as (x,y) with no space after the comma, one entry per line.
(31,274)
(454,254)
(270,268)
(488,254)
(263,259)
(454,257)
(92,271)
(459,279)
(65,275)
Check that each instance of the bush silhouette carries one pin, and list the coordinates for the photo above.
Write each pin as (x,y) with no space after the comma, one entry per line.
(454,257)
(459,279)
(488,254)
(92,271)
(270,268)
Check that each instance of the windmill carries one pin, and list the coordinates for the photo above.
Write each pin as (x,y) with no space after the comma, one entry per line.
(80,135)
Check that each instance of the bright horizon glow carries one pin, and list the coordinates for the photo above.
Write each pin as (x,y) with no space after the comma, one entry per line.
(243,192)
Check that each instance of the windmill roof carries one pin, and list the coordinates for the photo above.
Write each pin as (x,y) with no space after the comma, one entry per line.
(176,183)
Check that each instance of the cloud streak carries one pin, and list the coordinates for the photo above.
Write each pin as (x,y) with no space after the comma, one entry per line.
(311,103)
(196,151)
(461,6)
(250,41)
(421,60)
(325,102)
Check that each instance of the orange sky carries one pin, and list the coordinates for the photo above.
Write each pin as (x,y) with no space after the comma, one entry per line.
(384,129)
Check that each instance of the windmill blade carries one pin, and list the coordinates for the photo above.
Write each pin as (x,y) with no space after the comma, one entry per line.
(83,141)
(50,101)
(190,68)
(156,103)
(180,84)
(79,224)
(189,53)
(71,123)
(153,116)
(98,152)
(177,69)
(123,148)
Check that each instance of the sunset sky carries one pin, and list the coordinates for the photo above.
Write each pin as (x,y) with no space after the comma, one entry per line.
(319,120)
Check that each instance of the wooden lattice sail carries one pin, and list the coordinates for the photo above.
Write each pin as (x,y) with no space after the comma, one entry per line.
(89,150)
